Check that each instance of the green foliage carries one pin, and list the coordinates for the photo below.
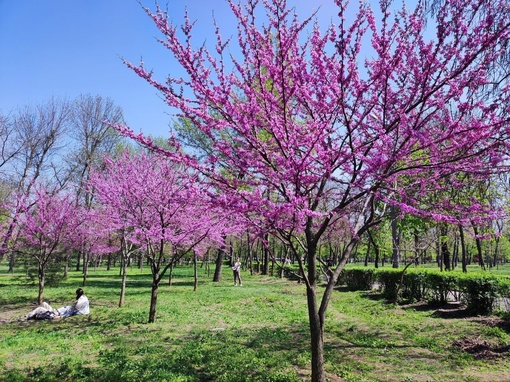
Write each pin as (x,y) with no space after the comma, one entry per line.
(415,287)
(389,279)
(441,285)
(357,278)
(54,271)
(479,293)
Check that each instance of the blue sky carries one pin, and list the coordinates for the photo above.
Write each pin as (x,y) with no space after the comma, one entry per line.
(64,48)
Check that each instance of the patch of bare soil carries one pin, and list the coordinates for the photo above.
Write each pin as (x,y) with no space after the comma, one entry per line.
(13,314)
(493,322)
(481,349)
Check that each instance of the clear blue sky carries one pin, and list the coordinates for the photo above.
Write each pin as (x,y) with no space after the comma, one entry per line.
(63,48)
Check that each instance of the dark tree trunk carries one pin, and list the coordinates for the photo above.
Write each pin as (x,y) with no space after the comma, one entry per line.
(496,250)
(478,247)
(445,252)
(367,254)
(195,274)
(394,238)
(219,263)
(154,301)
(123,284)
(78,260)
(265,256)
(40,275)
(12,261)
(85,268)
(170,273)
(376,249)
(316,321)
(463,249)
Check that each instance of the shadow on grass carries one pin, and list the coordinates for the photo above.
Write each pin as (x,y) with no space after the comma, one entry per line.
(258,354)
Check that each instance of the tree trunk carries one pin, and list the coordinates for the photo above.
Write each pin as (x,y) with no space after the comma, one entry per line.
(316,322)
(445,252)
(78,262)
(316,336)
(195,274)
(85,268)
(376,249)
(367,254)
(12,261)
(496,250)
(395,239)
(463,249)
(154,300)
(265,256)
(40,274)
(478,247)
(219,263)
(123,286)
(171,273)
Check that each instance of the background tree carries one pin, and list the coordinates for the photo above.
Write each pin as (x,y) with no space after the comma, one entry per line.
(91,139)
(35,135)
(45,222)
(325,126)
(160,209)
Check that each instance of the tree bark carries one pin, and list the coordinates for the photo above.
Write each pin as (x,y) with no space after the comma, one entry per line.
(445,252)
(154,300)
(265,256)
(395,239)
(463,248)
(195,274)
(316,336)
(478,247)
(123,285)
(219,263)
(40,274)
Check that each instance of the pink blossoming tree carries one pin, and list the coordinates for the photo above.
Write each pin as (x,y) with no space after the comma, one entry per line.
(309,125)
(159,209)
(47,220)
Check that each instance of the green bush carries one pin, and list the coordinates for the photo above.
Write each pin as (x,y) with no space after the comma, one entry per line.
(389,280)
(441,285)
(357,278)
(415,286)
(479,293)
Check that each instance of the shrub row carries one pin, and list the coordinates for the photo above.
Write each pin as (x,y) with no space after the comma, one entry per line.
(478,291)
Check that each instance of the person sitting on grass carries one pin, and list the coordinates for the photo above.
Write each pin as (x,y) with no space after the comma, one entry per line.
(45,311)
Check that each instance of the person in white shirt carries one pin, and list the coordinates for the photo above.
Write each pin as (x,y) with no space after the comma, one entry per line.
(236,268)
(45,311)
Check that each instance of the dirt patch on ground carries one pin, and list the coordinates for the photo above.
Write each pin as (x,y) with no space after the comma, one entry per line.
(481,349)
(13,314)
(493,322)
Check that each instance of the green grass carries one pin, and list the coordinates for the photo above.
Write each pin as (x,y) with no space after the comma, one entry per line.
(258,332)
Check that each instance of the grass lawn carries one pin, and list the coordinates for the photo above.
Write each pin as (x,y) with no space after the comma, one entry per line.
(258,332)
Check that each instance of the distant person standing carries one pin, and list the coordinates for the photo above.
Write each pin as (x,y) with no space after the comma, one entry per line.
(236,268)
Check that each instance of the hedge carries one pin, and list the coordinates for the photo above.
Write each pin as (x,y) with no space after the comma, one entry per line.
(479,292)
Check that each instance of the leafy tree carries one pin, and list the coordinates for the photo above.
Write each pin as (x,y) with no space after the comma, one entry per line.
(34,136)
(46,221)
(306,128)
(159,209)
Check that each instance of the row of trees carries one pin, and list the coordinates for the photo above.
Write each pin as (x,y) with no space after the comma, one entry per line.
(308,137)
(53,144)
(308,129)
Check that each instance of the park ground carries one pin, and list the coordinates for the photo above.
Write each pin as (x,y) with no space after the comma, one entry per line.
(258,332)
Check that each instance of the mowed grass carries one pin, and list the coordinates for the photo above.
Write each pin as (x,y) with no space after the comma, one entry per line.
(258,332)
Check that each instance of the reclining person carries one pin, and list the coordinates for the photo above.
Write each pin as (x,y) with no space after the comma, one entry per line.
(45,311)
